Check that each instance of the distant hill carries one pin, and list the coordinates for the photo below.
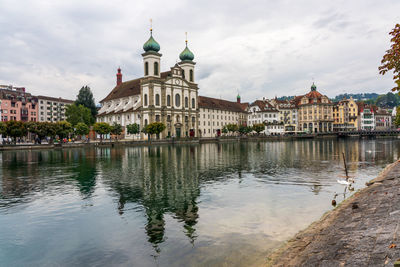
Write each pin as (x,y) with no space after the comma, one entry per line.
(357,97)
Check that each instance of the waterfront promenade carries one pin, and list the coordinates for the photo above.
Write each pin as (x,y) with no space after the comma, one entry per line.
(364,230)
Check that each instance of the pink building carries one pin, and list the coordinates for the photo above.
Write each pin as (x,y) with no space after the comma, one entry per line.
(17,105)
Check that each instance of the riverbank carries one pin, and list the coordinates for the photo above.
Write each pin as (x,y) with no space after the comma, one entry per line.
(363,230)
(113,143)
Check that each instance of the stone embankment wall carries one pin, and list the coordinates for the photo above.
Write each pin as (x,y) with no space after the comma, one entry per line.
(363,230)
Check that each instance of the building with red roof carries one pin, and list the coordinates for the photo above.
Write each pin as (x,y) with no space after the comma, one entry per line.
(315,112)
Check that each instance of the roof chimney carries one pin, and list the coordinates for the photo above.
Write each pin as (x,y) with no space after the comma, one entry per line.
(119,77)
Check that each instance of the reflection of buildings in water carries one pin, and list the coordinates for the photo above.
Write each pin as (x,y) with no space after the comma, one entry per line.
(27,172)
(162,180)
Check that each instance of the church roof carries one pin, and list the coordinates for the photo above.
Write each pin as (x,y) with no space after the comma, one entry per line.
(129,88)
(313,97)
(214,103)
(125,89)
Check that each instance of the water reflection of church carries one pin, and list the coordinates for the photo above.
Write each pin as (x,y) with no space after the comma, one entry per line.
(159,187)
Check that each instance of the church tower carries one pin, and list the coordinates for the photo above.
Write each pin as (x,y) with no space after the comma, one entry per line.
(151,57)
(187,64)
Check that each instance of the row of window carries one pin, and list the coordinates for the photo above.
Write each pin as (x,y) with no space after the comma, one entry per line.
(177,101)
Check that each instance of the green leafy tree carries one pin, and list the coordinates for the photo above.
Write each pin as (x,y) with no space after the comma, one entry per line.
(16,129)
(42,129)
(50,130)
(259,127)
(3,128)
(116,129)
(243,130)
(63,129)
(133,128)
(397,118)
(232,127)
(225,129)
(154,128)
(31,126)
(85,98)
(102,128)
(391,60)
(81,129)
(78,113)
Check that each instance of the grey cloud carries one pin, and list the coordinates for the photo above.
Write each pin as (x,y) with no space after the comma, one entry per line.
(261,48)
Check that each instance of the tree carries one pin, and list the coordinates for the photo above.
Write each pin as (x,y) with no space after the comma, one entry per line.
(42,129)
(225,129)
(63,129)
(116,129)
(85,98)
(3,128)
(81,129)
(259,127)
(133,128)
(154,128)
(232,127)
(397,118)
(391,60)
(102,128)
(15,129)
(78,113)
(244,129)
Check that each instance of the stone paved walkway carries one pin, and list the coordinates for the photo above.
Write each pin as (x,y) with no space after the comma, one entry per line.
(363,231)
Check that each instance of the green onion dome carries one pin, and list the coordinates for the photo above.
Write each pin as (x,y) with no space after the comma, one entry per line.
(151,45)
(313,87)
(186,54)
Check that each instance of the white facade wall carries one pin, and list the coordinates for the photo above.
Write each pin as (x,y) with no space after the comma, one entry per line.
(213,120)
(52,110)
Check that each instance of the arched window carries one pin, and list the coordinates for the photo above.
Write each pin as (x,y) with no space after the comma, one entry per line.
(193,103)
(156,68)
(191,75)
(186,102)
(145,99)
(145,122)
(183,74)
(168,100)
(157,99)
(146,68)
(177,100)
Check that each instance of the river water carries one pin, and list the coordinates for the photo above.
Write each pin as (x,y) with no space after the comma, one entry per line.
(185,205)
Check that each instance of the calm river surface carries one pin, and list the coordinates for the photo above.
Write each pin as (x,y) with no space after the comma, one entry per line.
(195,205)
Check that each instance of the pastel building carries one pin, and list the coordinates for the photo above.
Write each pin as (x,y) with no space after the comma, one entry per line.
(315,112)
(345,115)
(17,105)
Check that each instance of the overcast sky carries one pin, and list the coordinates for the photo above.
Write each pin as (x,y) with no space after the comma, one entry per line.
(257,48)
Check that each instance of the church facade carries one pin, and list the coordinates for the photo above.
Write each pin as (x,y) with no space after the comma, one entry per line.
(169,97)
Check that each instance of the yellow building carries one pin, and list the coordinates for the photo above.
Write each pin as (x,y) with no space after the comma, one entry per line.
(314,112)
(345,115)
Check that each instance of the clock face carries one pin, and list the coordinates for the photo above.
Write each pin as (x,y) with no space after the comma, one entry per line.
(177,81)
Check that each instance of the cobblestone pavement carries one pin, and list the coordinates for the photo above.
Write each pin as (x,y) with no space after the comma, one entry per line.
(364,230)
